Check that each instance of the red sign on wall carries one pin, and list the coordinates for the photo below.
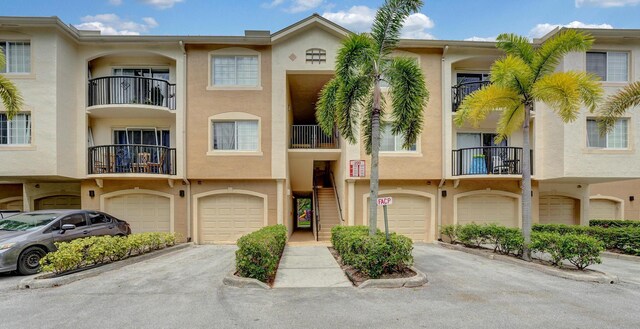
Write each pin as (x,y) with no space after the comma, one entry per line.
(357,168)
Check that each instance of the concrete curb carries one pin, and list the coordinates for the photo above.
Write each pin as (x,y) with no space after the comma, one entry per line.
(418,280)
(631,258)
(587,276)
(239,282)
(35,283)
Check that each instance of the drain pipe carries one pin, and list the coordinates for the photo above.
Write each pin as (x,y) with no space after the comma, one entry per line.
(443,143)
(184,140)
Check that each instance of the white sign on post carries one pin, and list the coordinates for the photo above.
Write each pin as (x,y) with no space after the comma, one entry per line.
(385,201)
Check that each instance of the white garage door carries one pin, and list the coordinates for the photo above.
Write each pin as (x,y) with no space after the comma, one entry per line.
(409,215)
(603,209)
(226,217)
(144,212)
(58,202)
(485,209)
(557,209)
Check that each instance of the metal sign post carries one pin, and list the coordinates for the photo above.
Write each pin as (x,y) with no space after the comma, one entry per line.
(384,202)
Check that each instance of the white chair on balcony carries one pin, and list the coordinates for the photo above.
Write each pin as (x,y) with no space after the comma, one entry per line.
(499,167)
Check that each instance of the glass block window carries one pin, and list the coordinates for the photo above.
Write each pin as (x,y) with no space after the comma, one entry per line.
(392,143)
(617,138)
(609,66)
(234,70)
(316,55)
(16,131)
(235,135)
(17,55)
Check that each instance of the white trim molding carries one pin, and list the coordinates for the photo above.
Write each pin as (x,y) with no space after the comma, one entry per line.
(104,197)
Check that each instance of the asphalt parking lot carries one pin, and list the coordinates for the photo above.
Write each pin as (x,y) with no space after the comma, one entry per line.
(184,290)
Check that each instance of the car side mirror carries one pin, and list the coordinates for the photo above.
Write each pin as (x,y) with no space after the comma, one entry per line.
(66,227)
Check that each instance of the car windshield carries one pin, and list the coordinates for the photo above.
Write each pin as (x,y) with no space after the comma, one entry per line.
(24,222)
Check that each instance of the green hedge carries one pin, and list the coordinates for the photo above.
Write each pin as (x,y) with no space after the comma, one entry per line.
(372,255)
(98,250)
(623,239)
(606,223)
(259,252)
(579,249)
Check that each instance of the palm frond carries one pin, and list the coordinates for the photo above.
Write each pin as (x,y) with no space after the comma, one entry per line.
(516,45)
(548,56)
(408,97)
(9,93)
(480,103)
(351,94)
(512,72)
(510,121)
(389,21)
(617,104)
(326,106)
(565,91)
(590,90)
(355,57)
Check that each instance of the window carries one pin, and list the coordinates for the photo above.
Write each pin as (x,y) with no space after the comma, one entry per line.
(142,136)
(316,55)
(77,219)
(97,218)
(235,135)
(234,70)
(609,66)
(617,138)
(17,55)
(392,143)
(16,131)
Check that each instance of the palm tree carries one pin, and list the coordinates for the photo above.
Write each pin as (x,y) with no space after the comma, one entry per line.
(617,104)
(9,94)
(353,97)
(521,78)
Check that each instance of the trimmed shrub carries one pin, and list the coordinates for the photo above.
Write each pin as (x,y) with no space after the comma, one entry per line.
(623,239)
(98,250)
(474,235)
(579,250)
(259,252)
(508,240)
(372,255)
(451,231)
(550,243)
(607,223)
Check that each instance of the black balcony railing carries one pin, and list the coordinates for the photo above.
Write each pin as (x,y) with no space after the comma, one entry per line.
(459,92)
(129,158)
(131,90)
(312,137)
(494,160)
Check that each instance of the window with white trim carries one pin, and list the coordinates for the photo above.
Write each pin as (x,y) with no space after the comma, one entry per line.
(392,143)
(617,138)
(16,131)
(234,70)
(17,55)
(609,66)
(241,135)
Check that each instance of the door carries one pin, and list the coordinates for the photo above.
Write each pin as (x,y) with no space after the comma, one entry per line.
(477,153)
(81,230)
(488,208)
(58,202)
(143,212)
(558,209)
(224,218)
(603,209)
(409,215)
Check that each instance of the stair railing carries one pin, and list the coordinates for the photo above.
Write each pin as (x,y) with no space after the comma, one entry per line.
(335,192)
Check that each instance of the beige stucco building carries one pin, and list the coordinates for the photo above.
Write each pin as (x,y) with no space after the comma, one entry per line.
(213,137)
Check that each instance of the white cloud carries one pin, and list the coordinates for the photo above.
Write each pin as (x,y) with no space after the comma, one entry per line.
(112,24)
(542,29)
(606,3)
(360,18)
(303,5)
(161,4)
(488,39)
(115,2)
(272,4)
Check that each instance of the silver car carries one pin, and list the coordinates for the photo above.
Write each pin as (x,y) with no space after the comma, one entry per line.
(25,238)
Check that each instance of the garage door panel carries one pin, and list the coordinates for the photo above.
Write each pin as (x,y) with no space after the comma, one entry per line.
(58,202)
(557,209)
(485,209)
(603,209)
(143,212)
(227,217)
(409,215)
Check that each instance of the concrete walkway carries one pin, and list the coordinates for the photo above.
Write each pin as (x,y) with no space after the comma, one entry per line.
(309,267)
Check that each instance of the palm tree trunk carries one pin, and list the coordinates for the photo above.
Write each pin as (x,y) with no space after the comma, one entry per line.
(526,183)
(375,149)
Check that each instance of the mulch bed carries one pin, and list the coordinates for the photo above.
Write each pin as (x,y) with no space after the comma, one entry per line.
(357,277)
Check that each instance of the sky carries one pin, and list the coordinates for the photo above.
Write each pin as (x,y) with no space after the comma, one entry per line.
(438,19)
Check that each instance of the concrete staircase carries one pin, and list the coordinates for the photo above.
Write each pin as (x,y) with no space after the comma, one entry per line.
(329,215)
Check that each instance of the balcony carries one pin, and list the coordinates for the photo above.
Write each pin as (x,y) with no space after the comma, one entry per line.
(312,137)
(130,90)
(131,159)
(459,92)
(494,160)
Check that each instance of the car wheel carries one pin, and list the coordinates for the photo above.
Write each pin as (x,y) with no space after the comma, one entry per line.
(29,260)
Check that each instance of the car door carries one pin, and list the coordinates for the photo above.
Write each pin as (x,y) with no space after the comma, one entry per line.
(81,230)
(100,224)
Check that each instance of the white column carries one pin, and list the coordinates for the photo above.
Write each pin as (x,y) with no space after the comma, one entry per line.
(352,201)
(280,200)
(26,202)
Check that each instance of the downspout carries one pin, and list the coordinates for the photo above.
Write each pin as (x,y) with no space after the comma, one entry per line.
(443,144)
(184,140)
